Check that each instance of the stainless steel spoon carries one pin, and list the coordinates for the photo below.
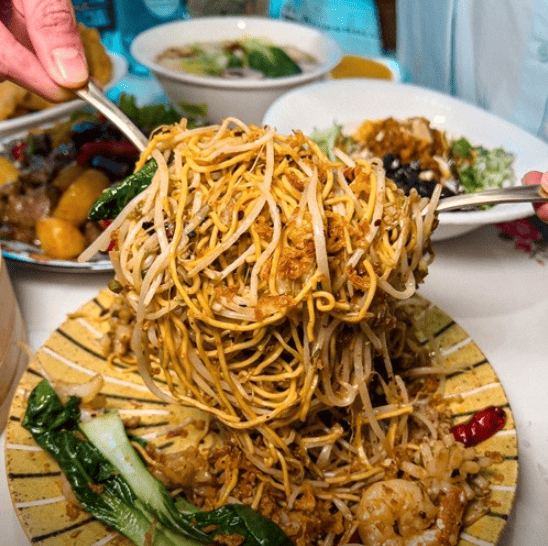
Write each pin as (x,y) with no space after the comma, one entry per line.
(514,194)
(94,96)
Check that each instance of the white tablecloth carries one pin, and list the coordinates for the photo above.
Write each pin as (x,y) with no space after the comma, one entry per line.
(496,293)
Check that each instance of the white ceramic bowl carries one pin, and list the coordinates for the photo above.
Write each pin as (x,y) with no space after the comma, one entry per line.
(352,101)
(246,100)
(13,357)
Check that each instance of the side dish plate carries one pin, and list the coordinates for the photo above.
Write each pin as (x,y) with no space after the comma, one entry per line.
(31,256)
(73,353)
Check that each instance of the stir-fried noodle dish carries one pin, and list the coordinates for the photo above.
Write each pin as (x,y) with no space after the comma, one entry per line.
(271,287)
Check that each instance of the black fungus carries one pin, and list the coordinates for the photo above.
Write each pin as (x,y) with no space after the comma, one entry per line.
(407,176)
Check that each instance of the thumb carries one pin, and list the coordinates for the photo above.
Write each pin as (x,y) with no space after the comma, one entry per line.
(536,177)
(532,178)
(544,181)
(53,32)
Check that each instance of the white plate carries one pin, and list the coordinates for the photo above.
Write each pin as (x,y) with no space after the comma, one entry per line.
(32,256)
(350,102)
(35,119)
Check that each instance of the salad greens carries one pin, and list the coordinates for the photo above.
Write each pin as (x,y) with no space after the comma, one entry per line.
(148,117)
(327,139)
(113,484)
(482,169)
(462,147)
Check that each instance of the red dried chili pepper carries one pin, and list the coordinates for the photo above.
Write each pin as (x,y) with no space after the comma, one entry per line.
(18,151)
(481,426)
(108,148)
(103,224)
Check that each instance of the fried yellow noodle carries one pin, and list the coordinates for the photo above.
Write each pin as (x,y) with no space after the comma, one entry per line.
(269,287)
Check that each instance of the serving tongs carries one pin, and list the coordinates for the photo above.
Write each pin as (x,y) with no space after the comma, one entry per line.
(512,194)
(515,194)
(94,96)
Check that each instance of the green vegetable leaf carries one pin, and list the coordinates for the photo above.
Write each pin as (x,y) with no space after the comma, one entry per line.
(108,435)
(490,169)
(271,61)
(326,139)
(201,67)
(462,147)
(148,117)
(236,518)
(470,180)
(115,198)
(46,413)
(96,484)
(128,105)
(206,61)
(234,61)
(112,482)
(83,115)
(194,113)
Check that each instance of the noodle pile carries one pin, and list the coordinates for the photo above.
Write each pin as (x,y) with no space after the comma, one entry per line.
(269,286)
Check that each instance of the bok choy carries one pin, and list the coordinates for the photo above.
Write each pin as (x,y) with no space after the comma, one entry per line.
(112,483)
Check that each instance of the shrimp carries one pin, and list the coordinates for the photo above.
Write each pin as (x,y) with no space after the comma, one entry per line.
(399,513)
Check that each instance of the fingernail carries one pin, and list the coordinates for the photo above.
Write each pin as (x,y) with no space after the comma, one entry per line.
(71,64)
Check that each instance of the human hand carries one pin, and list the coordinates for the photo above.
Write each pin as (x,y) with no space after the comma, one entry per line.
(535,177)
(41,47)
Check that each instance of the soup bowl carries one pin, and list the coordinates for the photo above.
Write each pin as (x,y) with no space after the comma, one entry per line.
(245,99)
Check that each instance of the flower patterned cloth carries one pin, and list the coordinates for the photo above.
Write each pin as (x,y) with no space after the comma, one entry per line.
(530,235)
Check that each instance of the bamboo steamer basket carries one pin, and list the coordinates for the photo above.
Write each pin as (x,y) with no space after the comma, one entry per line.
(13,355)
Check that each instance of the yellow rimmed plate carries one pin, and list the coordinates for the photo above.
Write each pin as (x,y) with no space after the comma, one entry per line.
(73,353)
